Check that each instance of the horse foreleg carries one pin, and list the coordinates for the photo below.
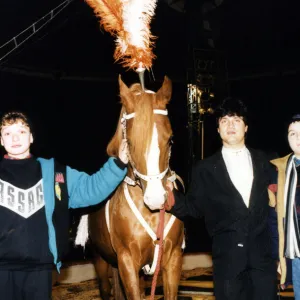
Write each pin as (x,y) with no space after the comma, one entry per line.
(129,274)
(171,273)
(142,286)
(117,285)
(102,270)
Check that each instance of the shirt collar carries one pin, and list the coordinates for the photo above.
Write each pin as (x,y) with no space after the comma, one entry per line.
(6,156)
(296,161)
(231,151)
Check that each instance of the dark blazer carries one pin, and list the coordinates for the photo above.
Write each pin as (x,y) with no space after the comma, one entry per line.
(240,235)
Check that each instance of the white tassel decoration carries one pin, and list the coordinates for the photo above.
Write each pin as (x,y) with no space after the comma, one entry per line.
(82,231)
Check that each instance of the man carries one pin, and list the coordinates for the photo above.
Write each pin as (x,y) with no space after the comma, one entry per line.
(285,211)
(35,195)
(230,190)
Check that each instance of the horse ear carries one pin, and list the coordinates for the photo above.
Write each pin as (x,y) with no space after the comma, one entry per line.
(165,92)
(125,93)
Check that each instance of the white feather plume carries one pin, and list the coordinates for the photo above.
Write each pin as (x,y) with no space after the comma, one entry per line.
(128,21)
(137,15)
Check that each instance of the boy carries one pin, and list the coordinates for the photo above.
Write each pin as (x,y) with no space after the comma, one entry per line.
(34,202)
(285,213)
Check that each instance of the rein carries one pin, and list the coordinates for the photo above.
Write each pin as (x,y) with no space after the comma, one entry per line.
(158,238)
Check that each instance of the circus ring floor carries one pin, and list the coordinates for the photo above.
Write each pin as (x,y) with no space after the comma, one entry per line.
(77,281)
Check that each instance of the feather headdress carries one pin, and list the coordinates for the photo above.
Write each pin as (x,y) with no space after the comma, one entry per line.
(129,22)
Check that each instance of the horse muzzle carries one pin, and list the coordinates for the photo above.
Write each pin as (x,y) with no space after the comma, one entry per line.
(155,200)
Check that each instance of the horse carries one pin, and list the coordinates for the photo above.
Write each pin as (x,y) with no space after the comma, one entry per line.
(122,233)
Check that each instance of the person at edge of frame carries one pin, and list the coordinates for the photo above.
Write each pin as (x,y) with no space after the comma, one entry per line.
(284,191)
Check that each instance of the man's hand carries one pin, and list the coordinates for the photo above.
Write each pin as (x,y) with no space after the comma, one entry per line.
(170,185)
(123,152)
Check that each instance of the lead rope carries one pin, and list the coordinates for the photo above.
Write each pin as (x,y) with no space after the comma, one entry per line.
(160,239)
(170,200)
(160,236)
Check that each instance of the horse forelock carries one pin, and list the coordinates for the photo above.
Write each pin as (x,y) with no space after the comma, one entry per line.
(141,131)
(142,128)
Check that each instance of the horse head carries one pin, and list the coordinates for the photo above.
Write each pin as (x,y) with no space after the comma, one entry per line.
(145,124)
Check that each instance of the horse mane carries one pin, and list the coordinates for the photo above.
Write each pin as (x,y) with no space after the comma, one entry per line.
(141,103)
(114,144)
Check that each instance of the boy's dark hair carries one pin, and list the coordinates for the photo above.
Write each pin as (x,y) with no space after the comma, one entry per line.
(232,107)
(294,118)
(13,117)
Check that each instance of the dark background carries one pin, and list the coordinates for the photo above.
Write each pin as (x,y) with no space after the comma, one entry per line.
(65,78)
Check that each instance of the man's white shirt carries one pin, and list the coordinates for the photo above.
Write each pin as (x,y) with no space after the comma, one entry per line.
(240,169)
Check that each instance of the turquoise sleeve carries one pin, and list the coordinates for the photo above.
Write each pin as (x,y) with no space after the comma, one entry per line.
(85,190)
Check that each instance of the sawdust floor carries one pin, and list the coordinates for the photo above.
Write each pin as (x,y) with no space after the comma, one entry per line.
(87,290)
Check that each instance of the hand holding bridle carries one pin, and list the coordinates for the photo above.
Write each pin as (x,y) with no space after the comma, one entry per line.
(170,185)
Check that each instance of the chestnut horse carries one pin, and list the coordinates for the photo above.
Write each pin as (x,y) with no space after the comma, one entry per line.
(124,232)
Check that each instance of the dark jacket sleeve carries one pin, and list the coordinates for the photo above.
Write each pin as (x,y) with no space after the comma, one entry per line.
(272,220)
(273,226)
(272,217)
(190,204)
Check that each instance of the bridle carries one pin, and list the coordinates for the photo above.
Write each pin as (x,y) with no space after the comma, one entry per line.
(138,174)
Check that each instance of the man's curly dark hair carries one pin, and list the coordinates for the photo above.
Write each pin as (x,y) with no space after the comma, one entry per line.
(232,107)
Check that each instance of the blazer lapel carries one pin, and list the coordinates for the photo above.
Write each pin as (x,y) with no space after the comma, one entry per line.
(259,178)
(223,176)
